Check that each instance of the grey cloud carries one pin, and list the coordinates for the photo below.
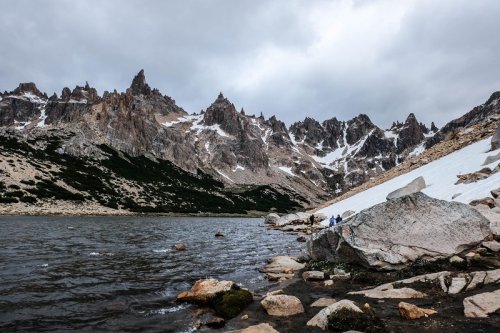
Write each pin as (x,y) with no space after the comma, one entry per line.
(438,61)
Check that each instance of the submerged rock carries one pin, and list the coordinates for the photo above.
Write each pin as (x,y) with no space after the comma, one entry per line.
(396,233)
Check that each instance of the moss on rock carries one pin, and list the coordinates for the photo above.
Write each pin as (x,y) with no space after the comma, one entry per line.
(232,302)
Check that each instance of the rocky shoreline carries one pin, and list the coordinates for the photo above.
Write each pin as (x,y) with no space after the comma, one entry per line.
(451,286)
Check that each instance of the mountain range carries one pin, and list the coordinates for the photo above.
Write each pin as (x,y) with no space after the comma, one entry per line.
(139,151)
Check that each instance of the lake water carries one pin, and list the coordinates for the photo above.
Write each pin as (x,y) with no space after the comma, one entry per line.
(122,273)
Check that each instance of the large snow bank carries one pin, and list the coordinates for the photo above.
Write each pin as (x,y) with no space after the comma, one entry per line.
(440,177)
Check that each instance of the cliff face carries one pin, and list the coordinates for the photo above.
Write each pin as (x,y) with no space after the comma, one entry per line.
(310,159)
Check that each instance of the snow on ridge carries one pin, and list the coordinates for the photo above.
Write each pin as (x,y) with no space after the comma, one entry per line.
(41,120)
(238,167)
(224,175)
(183,119)
(287,170)
(418,150)
(440,176)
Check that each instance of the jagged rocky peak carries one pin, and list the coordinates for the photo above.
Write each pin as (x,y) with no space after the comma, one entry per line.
(310,131)
(223,113)
(411,134)
(139,85)
(279,134)
(358,127)
(434,128)
(334,130)
(494,98)
(28,87)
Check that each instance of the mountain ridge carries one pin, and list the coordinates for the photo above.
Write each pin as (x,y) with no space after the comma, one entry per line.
(311,160)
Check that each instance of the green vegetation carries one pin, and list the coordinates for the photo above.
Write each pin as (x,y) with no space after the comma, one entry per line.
(160,185)
(346,320)
(231,303)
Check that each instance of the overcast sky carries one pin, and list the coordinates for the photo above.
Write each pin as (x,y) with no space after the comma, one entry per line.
(323,59)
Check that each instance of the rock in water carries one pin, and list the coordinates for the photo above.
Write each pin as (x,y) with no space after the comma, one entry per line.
(393,234)
(219,234)
(180,247)
(206,290)
(414,186)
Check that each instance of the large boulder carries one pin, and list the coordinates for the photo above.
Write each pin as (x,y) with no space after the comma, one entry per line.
(393,234)
(414,186)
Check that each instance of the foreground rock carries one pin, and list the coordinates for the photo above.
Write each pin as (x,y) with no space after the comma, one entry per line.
(313,276)
(378,237)
(205,291)
(416,185)
(282,305)
(282,265)
(323,302)
(321,318)
(410,311)
(481,305)
(261,328)
(390,293)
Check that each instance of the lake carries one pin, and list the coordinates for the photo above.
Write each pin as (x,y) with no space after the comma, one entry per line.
(122,273)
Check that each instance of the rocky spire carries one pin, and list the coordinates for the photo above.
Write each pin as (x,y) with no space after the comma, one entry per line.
(139,85)
(434,128)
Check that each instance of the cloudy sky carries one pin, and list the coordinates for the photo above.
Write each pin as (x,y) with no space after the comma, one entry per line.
(319,58)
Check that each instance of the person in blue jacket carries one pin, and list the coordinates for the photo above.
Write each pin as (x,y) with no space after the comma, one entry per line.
(332,221)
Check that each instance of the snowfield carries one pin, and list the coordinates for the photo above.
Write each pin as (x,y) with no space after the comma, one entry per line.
(440,177)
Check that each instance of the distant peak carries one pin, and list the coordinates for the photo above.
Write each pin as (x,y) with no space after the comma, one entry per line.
(28,87)
(221,96)
(139,85)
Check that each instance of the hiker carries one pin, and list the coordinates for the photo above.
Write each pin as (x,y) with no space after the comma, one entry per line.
(338,219)
(311,219)
(332,221)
